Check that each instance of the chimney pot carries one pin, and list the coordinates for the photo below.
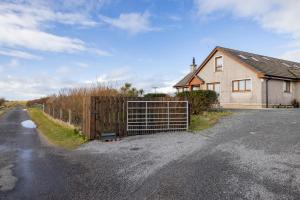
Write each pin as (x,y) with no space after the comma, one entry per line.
(193,65)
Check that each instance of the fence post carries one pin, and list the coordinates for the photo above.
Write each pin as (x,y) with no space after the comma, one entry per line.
(43,107)
(53,112)
(70,116)
(60,114)
(168,114)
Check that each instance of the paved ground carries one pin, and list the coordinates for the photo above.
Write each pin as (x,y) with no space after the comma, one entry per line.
(251,155)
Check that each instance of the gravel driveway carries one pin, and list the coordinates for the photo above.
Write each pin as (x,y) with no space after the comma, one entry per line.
(250,155)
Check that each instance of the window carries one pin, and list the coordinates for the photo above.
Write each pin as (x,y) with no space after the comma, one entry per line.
(243,57)
(241,85)
(195,88)
(214,87)
(219,64)
(287,86)
(265,58)
(286,64)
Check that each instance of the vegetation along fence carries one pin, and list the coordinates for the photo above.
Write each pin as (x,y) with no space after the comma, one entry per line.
(124,115)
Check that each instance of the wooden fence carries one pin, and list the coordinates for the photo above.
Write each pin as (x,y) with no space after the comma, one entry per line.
(101,114)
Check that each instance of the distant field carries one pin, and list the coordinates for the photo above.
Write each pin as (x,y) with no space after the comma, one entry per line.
(10,104)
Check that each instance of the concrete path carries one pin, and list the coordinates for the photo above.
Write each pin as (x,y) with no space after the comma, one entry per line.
(250,155)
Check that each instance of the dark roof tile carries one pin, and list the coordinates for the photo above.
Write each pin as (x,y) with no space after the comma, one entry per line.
(267,65)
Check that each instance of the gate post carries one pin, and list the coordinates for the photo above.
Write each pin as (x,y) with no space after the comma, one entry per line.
(89,117)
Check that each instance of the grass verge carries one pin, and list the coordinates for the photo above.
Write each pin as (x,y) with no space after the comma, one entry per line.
(206,120)
(56,134)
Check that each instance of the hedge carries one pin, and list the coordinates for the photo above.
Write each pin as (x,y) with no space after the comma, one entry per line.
(151,95)
(201,100)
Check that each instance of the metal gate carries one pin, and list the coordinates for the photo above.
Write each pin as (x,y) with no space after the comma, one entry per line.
(157,116)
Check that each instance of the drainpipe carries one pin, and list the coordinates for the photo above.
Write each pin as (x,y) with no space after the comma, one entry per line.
(267,93)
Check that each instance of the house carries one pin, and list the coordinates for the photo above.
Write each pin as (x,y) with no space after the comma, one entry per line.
(245,80)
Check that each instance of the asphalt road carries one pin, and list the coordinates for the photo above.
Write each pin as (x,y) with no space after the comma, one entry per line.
(250,155)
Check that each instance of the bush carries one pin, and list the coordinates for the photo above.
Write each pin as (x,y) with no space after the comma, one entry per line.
(40,101)
(201,100)
(2,101)
(295,103)
(153,95)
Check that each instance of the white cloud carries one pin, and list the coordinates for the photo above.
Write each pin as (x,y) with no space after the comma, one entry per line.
(132,22)
(23,25)
(24,88)
(280,16)
(116,76)
(101,52)
(19,54)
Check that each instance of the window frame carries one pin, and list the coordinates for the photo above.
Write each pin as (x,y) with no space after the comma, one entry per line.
(218,68)
(287,89)
(238,85)
(214,86)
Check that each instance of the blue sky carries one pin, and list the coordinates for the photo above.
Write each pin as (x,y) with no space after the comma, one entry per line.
(48,45)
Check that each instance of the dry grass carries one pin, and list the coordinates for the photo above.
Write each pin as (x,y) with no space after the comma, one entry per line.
(9,105)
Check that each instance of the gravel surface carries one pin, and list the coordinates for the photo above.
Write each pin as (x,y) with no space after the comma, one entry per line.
(147,153)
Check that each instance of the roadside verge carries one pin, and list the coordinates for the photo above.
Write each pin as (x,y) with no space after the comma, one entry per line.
(55,133)
(206,120)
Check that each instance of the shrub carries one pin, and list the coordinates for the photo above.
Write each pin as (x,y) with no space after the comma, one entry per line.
(2,101)
(40,101)
(201,100)
(295,103)
(153,95)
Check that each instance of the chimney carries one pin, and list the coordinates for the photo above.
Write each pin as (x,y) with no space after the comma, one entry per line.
(193,66)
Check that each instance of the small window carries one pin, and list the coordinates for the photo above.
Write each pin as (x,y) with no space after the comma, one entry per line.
(244,57)
(286,64)
(287,86)
(219,64)
(296,66)
(265,58)
(241,85)
(253,58)
(210,86)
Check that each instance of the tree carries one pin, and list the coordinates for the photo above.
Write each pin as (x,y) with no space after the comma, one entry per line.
(128,90)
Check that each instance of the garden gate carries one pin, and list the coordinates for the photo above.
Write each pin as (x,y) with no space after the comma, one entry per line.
(153,116)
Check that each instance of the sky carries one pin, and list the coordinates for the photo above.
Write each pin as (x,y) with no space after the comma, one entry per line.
(49,45)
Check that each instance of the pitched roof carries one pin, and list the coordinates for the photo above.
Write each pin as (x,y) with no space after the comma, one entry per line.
(266,65)
(183,82)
